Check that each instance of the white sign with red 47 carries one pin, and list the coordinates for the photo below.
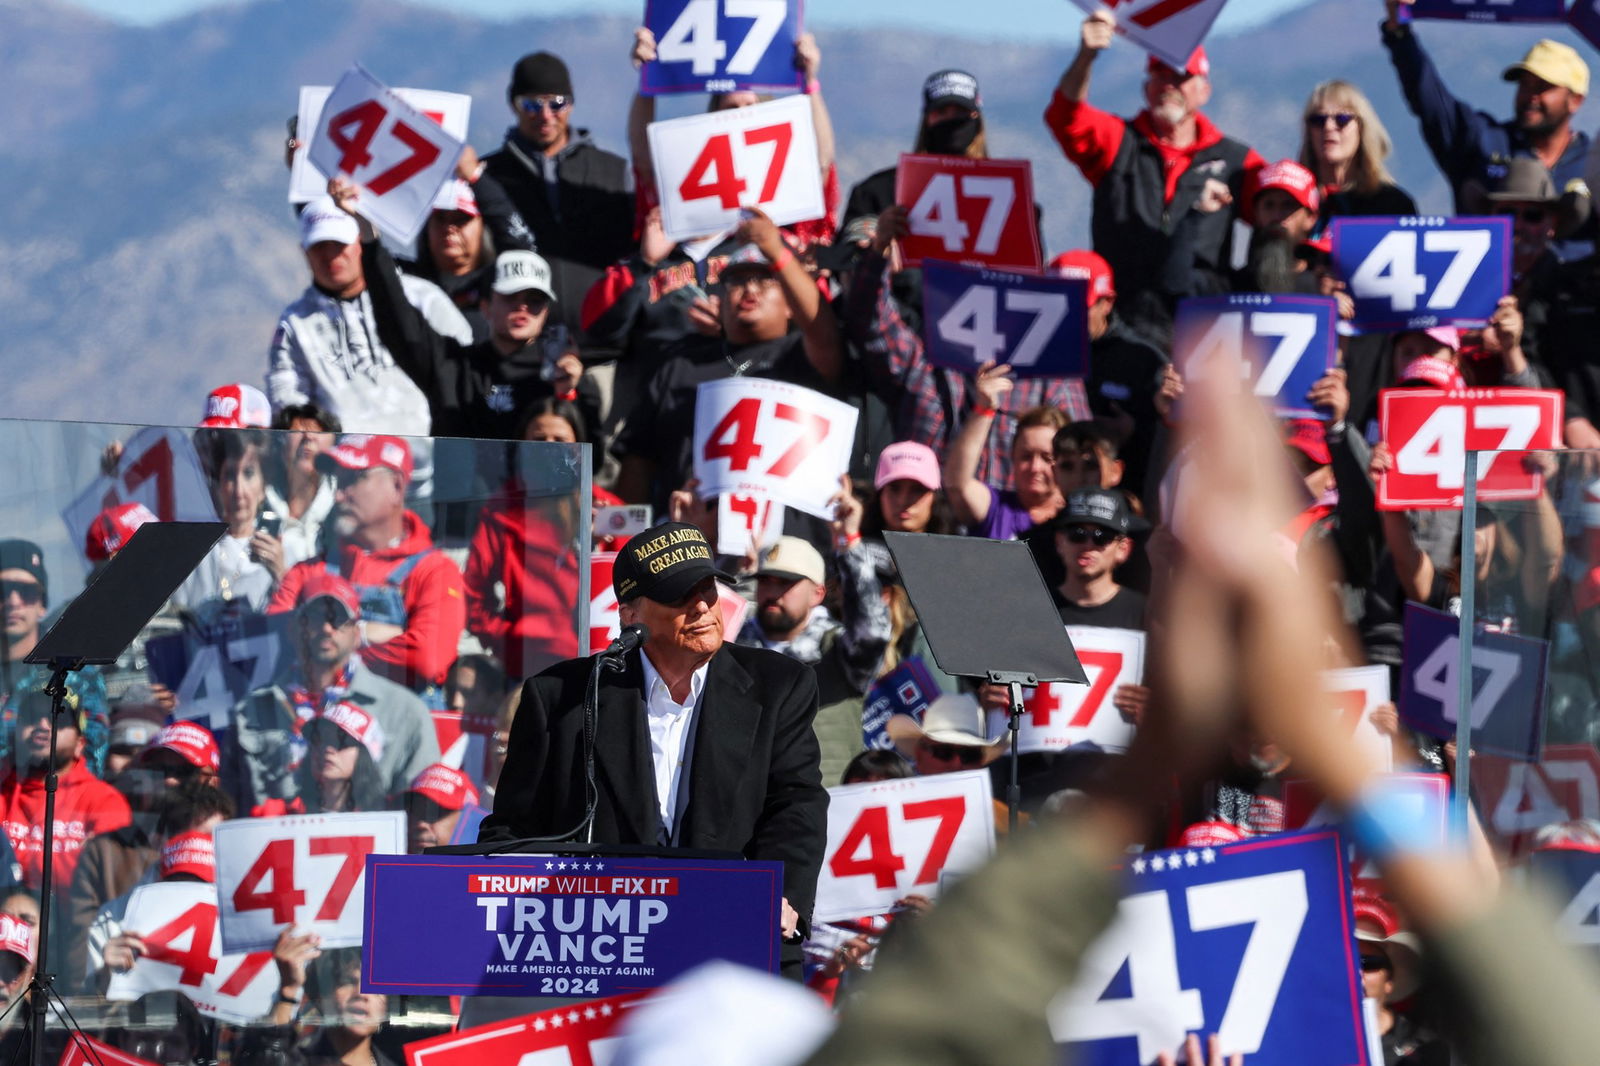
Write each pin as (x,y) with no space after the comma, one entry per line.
(1356,692)
(398,155)
(305,870)
(157,468)
(710,166)
(754,437)
(889,839)
(177,921)
(1061,715)
(453,111)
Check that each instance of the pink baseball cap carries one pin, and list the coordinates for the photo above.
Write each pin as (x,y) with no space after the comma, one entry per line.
(16,937)
(111,529)
(1086,265)
(1440,373)
(191,740)
(910,461)
(364,451)
(356,723)
(457,195)
(190,853)
(446,786)
(1199,65)
(237,406)
(1293,179)
(321,583)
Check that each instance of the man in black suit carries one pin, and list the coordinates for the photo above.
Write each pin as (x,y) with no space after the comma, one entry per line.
(698,743)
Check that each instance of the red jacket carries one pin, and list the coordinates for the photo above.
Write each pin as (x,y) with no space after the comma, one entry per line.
(435,604)
(85,805)
(520,546)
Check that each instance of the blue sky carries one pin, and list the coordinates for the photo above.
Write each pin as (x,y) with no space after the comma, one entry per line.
(1012,18)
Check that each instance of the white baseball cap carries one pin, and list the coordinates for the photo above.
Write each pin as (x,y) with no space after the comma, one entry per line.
(322,220)
(519,271)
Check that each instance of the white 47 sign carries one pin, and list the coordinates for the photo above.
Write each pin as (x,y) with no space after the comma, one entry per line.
(771,440)
(892,838)
(306,870)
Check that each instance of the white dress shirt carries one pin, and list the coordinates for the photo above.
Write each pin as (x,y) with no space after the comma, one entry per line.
(669,733)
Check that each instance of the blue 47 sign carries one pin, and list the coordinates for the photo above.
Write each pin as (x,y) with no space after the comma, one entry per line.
(1420,272)
(1286,344)
(1491,10)
(1508,676)
(718,46)
(1037,325)
(1252,941)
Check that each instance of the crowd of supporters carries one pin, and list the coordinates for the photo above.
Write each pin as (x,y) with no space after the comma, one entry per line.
(408,584)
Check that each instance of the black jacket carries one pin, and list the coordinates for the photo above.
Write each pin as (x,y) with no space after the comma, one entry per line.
(755,784)
(590,224)
(472,391)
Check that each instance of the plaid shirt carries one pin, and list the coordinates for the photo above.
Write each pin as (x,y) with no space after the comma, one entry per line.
(930,402)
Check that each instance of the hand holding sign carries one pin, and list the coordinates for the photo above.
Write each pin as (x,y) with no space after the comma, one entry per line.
(396,153)
(1283,344)
(1035,325)
(1168,29)
(1421,272)
(719,46)
(973,211)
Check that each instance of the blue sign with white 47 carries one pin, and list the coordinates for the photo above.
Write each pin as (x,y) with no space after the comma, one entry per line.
(1039,326)
(719,46)
(1252,941)
(1286,343)
(1422,272)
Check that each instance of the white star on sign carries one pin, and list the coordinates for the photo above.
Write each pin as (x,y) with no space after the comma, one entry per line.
(605,1010)
(588,1012)
(573,1017)
(1208,856)
(1191,859)
(1138,866)
(539,1025)
(555,1020)
(599,866)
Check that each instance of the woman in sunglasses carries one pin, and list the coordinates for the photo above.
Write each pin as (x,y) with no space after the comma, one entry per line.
(339,772)
(1344,144)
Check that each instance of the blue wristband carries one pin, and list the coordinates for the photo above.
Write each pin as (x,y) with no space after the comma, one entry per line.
(1390,818)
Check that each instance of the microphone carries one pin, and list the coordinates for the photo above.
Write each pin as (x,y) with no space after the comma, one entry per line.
(629,639)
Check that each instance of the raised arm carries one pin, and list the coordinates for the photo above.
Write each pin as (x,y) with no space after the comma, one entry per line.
(970,498)
(808,57)
(809,310)
(642,111)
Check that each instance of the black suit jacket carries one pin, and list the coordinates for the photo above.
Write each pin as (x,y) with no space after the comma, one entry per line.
(755,783)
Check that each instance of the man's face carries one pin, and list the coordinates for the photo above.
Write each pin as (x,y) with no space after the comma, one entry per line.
(1377,974)
(1415,345)
(365,499)
(428,824)
(518,318)
(1283,216)
(932,757)
(1033,463)
(329,633)
(1100,316)
(1084,470)
(1090,551)
(692,626)
(33,742)
(1533,227)
(454,240)
(1541,107)
(783,603)
(1173,96)
(22,599)
(336,267)
(305,440)
(906,505)
(173,768)
(543,118)
(753,307)
(362,1014)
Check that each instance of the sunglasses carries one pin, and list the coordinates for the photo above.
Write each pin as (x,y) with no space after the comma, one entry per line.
(315,615)
(29,592)
(1531,215)
(538,105)
(1318,119)
(1373,963)
(1099,536)
(947,752)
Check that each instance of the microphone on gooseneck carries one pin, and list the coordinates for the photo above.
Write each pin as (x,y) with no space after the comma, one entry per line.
(629,639)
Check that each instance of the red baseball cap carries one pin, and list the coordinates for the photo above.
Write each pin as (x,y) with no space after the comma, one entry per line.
(1210,834)
(16,937)
(321,583)
(1199,65)
(355,722)
(190,853)
(456,195)
(1307,436)
(111,529)
(1293,179)
(237,406)
(191,740)
(1087,266)
(446,786)
(364,451)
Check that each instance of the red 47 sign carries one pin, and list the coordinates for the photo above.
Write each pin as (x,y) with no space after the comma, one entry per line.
(892,838)
(578,1034)
(183,952)
(770,439)
(397,154)
(1168,29)
(1061,715)
(1518,799)
(710,166)
(1430,432)
(972,211)
(304,869)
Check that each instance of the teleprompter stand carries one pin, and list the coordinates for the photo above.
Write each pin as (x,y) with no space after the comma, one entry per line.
(93,631)
(987,614)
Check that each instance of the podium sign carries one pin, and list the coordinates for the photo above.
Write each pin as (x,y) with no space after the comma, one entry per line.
(542,925)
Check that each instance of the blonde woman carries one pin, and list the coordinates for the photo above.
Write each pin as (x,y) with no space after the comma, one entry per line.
(1345,145)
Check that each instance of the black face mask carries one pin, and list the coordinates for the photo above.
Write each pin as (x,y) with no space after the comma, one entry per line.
(953,136)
